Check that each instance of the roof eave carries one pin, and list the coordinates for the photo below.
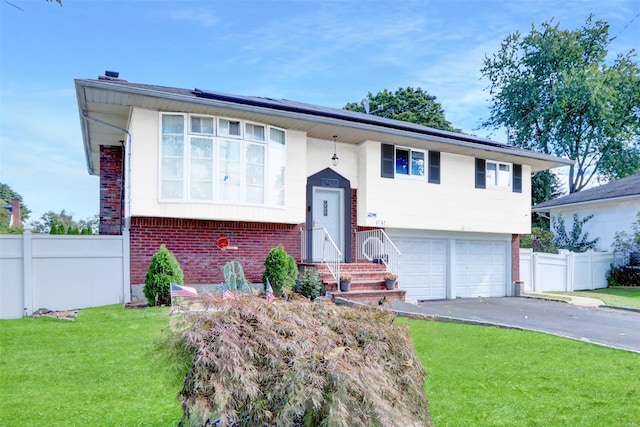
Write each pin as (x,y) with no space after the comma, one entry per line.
(84,125)
(460,140)
(586,202)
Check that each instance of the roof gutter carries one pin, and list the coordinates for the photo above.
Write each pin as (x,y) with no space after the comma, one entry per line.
(586,202)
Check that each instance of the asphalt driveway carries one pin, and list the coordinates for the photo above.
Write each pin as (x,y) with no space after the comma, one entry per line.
(599,325)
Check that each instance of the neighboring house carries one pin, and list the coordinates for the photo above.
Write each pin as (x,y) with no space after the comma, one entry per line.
(614,207)
(193,168)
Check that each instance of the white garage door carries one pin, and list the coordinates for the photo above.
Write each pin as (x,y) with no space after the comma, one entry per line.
(422,268)
(481,269)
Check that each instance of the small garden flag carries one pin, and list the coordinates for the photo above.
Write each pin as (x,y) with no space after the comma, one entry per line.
(226,293)
(182,291)
(270,296)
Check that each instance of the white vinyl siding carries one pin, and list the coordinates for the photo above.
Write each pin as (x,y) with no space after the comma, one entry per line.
(221,164)
(277,166)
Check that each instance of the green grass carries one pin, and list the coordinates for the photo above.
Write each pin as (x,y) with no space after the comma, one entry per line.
(485,376)
(96,371)
(100,371)
(617,296)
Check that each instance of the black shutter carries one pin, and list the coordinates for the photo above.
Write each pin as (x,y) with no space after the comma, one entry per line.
(386,163)
(481,173)
(434,167)
(517,178)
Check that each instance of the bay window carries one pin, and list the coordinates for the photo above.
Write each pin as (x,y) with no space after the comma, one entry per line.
(221,160)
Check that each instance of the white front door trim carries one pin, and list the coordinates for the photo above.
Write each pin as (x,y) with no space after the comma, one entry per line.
(328,212)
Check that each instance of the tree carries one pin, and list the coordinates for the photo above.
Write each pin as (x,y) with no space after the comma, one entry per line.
(6,198)
(557,94)
(574,241)
(409,105)
(63,223)
(7,195)
(545,185)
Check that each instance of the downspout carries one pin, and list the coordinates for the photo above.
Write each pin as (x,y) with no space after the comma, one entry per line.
(124,207)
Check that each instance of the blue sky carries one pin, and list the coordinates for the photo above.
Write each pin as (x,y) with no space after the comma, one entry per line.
(326,53)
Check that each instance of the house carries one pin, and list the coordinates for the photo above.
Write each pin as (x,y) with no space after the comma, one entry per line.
(614,207)
(221,177)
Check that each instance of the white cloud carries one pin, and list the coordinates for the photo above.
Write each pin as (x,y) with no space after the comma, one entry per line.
(202,16)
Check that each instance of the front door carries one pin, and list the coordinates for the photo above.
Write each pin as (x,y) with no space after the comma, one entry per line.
(328,212)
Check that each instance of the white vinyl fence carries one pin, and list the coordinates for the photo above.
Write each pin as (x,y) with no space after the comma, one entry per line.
(61,272)
(565,272)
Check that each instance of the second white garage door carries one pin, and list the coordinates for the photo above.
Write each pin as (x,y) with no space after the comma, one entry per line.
(423,268)
(481,269)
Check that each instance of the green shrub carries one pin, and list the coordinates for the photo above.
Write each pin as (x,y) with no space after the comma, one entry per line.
(294,363)
(623,276)
(163,270)
(311,286)
(540,240)
(281,270)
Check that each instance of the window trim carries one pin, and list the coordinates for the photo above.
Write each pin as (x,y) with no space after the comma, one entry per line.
(216,139)
(432,161)
(495,185)
(513,183)
(229,135)
(409,165)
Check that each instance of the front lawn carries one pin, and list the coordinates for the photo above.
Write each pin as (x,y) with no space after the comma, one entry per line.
(96,371)
(100,371)
(486,376)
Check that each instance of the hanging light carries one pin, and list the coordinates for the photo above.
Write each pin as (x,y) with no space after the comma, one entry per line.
(335,158)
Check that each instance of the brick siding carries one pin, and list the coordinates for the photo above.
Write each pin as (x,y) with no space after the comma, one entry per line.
(111,190)
(193,242)
(515,257)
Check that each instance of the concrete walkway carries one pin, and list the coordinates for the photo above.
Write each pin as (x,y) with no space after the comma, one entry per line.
(581,301)
(582,319)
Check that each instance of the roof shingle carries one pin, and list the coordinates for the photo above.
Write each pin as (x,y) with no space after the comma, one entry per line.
(625,187)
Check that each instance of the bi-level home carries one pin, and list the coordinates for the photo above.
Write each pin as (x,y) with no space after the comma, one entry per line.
(219,177)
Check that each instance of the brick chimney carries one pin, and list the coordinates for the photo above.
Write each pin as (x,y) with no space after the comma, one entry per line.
(15,212)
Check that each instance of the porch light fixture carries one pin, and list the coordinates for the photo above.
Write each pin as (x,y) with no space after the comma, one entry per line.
(335,158)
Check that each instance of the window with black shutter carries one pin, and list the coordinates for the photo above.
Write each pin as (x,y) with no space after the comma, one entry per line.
(434,167)
(387,164)
(517,178)
(481,173)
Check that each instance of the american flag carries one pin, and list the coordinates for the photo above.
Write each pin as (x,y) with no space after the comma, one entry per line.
(269,290)
(182,291)
(226,293)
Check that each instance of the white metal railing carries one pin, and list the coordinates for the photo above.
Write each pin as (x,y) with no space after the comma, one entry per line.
(376,246)
(323,249)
